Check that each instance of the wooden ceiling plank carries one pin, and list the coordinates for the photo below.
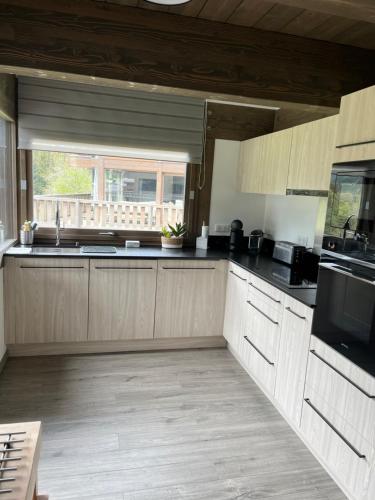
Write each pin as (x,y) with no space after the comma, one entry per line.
(277,18)
(250,11)
(333,26)
(192,8)
(303,24)
(152,6)
(361,34)
(362,10)
(219,11)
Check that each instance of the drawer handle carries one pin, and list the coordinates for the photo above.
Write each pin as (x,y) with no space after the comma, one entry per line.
(52,267)
(261,312)
(237,276)
(295,314)
(103,268)
(258,351)
(342,375)
(189,268)
(264,293)
(359,455)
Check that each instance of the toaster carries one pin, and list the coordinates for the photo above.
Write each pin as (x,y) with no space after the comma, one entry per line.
(289,253)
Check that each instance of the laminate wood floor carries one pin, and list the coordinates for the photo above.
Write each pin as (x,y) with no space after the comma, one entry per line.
(158,426)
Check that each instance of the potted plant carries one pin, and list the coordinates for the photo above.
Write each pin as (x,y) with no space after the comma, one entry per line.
(173,237)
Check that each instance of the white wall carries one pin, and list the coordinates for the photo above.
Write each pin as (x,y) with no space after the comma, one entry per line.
(299,219)
(2,343)
(226,202)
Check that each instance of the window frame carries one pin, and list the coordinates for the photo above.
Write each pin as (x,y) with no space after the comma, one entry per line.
(47,236)
(12,187)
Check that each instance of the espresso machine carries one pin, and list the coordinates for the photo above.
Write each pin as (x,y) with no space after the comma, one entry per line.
(236,236)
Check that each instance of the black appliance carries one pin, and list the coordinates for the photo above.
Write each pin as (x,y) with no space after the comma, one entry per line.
(236,236)
(345,309)
(288,253)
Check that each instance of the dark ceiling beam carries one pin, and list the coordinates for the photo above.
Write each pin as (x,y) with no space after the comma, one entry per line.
(125,43)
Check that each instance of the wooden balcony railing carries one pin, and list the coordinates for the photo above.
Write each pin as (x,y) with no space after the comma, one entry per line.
(81,213)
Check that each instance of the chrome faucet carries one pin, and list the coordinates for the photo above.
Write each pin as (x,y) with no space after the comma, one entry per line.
(346,226)
(58,223)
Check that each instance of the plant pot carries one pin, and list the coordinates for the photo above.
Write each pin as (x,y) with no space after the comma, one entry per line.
(171,242)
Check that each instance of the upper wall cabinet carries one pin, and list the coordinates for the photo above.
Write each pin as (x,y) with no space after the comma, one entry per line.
(311,157)
(357,118)
(294,159)
(264,163)
(356,129)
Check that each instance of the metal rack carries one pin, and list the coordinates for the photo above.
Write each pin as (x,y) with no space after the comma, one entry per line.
(9,459)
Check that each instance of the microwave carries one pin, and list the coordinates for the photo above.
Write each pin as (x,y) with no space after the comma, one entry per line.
(288,253)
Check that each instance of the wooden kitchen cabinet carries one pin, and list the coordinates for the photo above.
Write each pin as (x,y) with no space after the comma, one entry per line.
(356,127)
(190,298)
(292,359)
(312,153)
(264,163)
(50,299)
(357,118)
(122,299)
(235,304)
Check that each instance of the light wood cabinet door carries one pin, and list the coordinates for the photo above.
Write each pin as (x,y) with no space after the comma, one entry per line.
(235,304)
(261,368)
(311,157)
(122,299)
(350,463)
(264,163)
(190,298)
(292,360)
(51,300)
(357,118)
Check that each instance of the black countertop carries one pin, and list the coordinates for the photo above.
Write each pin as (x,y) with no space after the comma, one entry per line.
(262,266)
(265,267)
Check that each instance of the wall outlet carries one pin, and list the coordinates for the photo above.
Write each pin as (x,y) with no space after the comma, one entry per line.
(222,228)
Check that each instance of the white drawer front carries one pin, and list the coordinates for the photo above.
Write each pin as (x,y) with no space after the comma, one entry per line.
(262,329)
(343,459)
(258,364)
(326,375)
(271,295)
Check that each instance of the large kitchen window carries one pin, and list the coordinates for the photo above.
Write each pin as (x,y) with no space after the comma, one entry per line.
(6,184)
(107,193)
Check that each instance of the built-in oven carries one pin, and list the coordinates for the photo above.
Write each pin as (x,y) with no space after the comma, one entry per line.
(345,310)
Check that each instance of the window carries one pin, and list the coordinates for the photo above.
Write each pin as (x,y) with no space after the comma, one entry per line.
(103,192)
(6,183)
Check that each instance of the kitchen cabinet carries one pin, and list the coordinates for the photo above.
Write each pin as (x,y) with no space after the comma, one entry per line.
(357,118)
(338,417)
(261,368)
(349,390)
(190,298)
(311,157)
(356,127)
(122,299)
(347,461)
(264,163)
(292,359)
(235,304)
(50,299)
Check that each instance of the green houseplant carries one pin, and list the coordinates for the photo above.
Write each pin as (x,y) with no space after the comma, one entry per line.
(173,236)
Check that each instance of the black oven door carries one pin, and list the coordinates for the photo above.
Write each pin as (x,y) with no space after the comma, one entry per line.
(345,312)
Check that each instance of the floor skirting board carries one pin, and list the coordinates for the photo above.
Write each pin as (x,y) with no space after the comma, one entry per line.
(112,346)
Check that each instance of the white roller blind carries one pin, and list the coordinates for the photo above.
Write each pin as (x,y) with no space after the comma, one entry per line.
(55,115)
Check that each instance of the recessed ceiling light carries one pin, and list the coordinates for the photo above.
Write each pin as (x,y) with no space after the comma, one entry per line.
(169,2)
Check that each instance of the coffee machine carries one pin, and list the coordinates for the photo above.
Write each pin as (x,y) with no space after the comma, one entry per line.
(236,236)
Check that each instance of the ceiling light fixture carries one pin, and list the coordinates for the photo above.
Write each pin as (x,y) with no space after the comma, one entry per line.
(169,2)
